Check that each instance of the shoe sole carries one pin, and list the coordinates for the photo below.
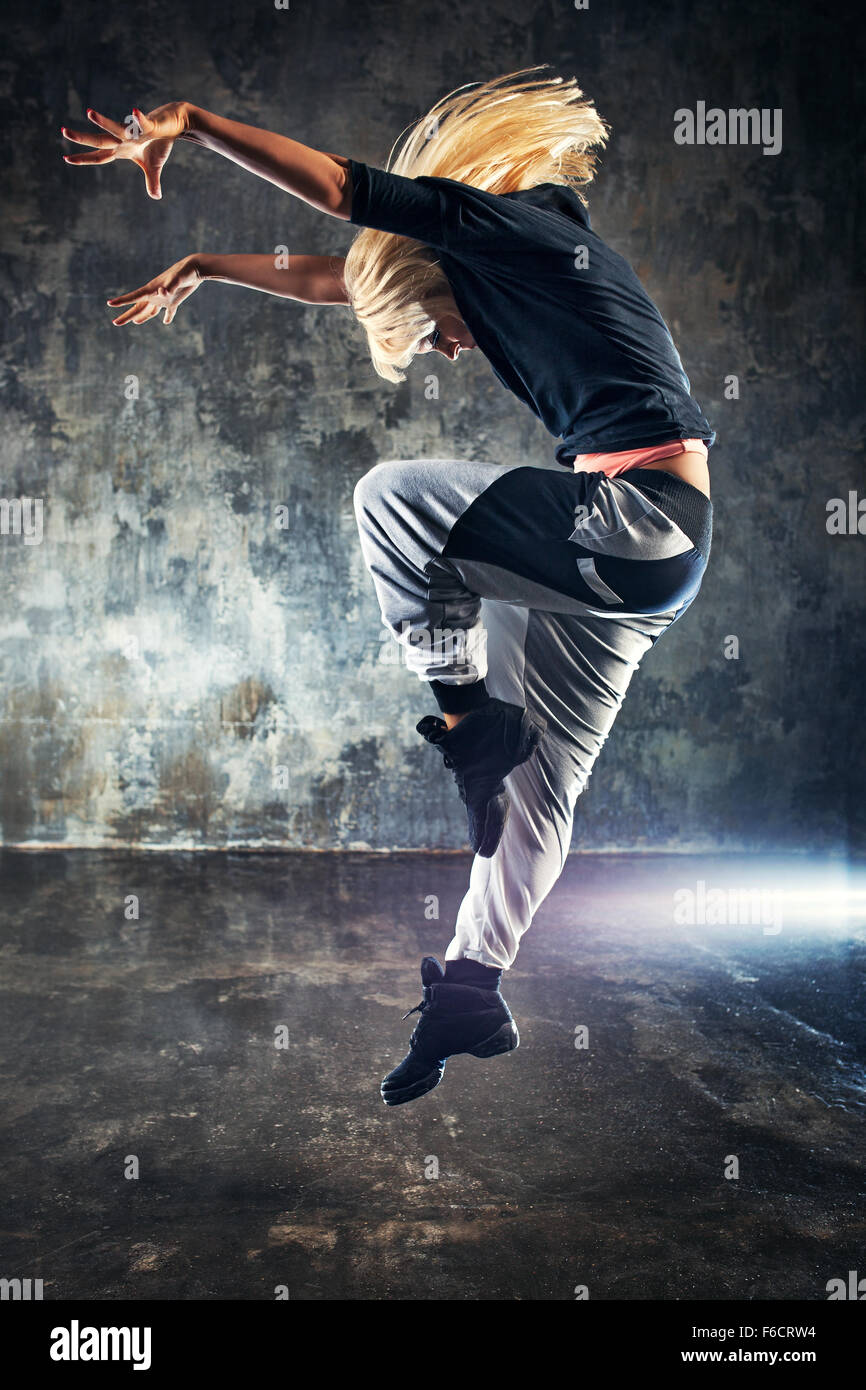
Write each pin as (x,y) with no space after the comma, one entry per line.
(532,732)
(414,1092)
(505,1039)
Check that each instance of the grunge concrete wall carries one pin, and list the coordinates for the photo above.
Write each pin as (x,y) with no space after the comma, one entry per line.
(178,671)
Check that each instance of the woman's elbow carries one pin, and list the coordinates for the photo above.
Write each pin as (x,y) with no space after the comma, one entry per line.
(339,200)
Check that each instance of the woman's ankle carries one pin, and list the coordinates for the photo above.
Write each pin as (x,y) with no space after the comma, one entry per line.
(456,700)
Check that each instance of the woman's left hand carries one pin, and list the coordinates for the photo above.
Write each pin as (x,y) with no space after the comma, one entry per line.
(146,140)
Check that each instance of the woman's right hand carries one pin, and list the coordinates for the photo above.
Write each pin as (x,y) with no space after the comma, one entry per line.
(163,292)
(146,140)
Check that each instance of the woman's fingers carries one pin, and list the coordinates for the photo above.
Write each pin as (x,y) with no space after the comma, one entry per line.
(145,124)
(130,313)
(146,140)
(151,177)
(164,293)
(133,295)
(87,137)
(113,128)
(92,157)
(142,310)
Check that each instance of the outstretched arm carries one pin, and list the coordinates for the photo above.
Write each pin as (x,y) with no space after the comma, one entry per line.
(319,179)
(309,279)
(322,180)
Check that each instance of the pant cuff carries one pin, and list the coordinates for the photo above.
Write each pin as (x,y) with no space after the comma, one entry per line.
(458,699)
(481,958)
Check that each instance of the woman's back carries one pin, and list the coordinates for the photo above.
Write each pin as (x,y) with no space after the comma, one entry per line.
(563,320)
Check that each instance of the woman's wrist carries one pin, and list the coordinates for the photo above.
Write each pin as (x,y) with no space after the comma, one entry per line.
(199,263)
(192,120)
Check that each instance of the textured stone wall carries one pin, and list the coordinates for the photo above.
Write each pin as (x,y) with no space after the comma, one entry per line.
(167,649)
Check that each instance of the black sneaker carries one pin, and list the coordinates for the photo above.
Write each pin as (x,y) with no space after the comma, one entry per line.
(454,1018)
(482,749)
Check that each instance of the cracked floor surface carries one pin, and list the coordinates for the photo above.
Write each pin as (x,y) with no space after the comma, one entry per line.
(706,1142)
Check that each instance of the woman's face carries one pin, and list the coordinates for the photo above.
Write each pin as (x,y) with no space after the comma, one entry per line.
(451,336)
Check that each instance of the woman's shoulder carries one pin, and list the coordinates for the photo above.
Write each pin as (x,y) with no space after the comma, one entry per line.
(557,197)
(526,212)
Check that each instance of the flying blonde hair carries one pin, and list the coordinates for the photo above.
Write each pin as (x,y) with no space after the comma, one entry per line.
(510,133)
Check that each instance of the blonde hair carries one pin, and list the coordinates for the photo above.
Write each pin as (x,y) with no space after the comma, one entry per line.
(510,133)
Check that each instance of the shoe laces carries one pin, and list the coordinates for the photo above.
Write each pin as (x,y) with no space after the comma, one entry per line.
(419,1008)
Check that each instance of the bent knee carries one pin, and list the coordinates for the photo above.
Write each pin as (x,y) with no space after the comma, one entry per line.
(390,478)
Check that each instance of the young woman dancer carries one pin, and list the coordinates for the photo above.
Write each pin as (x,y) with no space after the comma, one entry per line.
(524,596)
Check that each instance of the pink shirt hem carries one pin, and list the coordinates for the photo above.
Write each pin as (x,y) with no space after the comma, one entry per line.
(612,464)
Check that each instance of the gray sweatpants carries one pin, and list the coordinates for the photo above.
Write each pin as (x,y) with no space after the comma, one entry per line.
(549,585)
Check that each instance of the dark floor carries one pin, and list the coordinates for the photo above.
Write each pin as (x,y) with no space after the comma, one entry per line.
(558,1166)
